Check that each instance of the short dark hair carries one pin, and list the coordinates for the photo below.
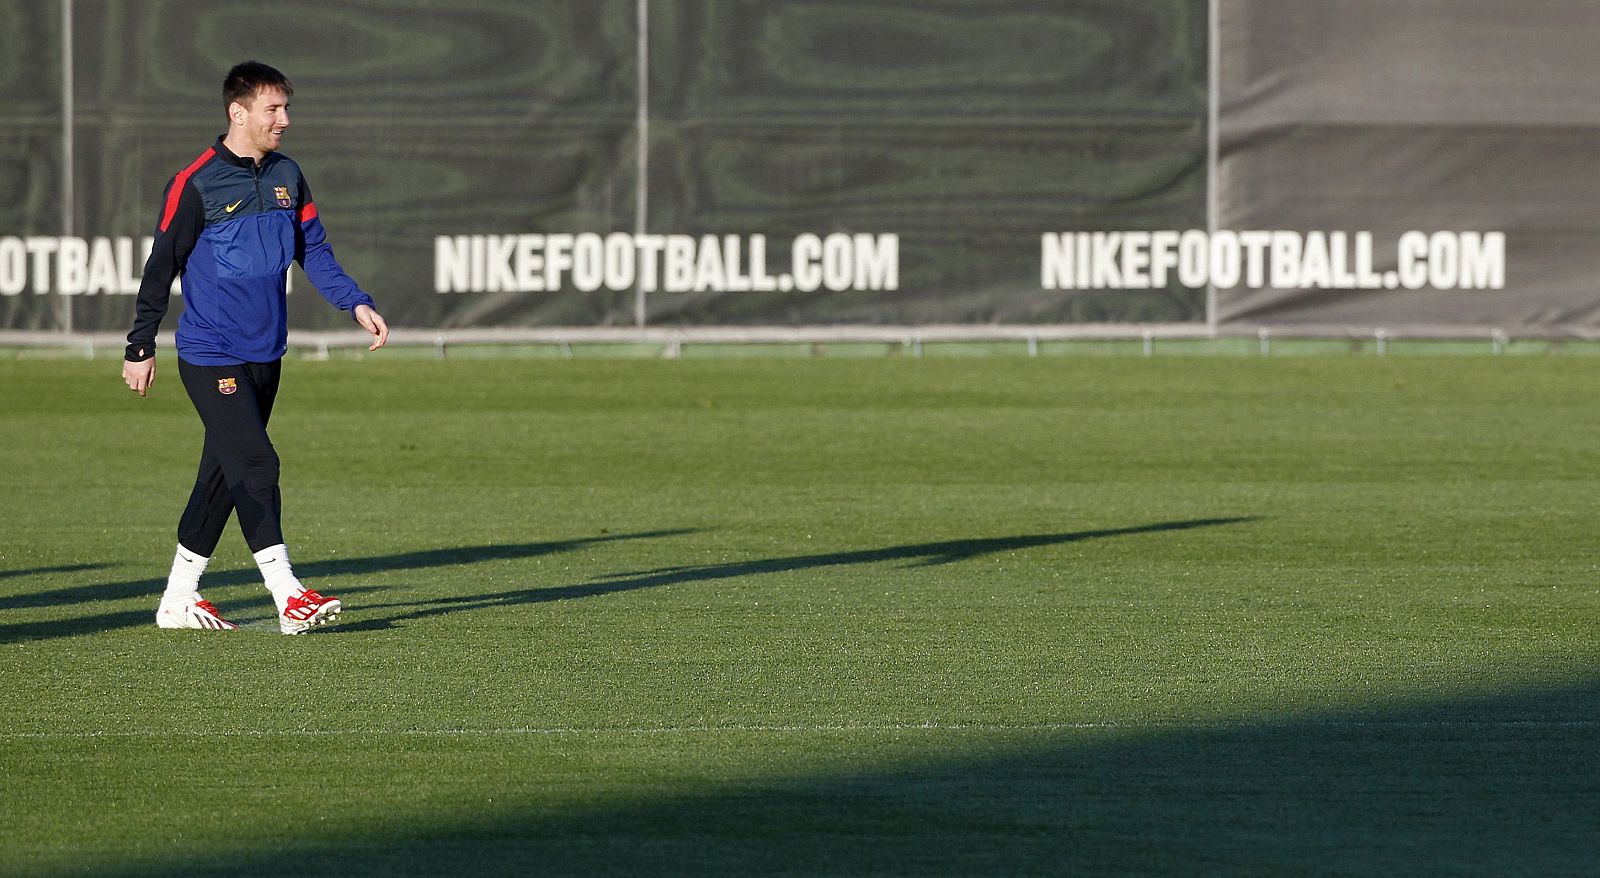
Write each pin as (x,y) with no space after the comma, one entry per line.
(247,80)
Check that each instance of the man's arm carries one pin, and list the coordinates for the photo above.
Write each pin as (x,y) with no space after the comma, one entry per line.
(315,255)
(176,234)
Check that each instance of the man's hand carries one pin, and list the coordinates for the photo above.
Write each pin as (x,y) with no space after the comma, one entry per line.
(372,322)
(139,376)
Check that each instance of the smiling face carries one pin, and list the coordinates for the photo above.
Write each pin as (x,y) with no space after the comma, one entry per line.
(257,128)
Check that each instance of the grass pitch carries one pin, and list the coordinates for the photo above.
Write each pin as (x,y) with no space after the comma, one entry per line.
(1177,615)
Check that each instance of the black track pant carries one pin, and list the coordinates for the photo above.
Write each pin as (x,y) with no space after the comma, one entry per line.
(238,467)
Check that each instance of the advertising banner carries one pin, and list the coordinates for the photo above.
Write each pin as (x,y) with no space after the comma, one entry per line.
(503,163)
(612,163)
(1411,163)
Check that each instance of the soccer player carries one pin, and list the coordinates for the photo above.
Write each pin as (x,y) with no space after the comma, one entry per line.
(230,223)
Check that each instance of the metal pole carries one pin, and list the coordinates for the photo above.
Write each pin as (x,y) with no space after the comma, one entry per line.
(1213,143)
(68,197)
(641,203)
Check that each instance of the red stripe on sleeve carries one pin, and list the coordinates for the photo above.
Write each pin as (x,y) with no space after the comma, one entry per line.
(176,192)
(308,212)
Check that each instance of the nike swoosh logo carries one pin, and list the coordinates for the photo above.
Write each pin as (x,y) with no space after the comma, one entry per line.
(234,206)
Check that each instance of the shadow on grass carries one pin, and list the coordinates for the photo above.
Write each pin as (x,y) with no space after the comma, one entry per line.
(151,588)
(46,571)
(915,555)
(1483,785)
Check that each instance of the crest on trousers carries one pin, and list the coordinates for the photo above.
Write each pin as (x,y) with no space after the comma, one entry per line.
(282,194)
(227,386)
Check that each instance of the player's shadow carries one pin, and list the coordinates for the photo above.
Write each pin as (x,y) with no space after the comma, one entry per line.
(913,555)
(46,571)
(150,588)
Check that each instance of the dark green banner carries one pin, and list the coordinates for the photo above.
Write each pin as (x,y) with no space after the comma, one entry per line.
(481,164)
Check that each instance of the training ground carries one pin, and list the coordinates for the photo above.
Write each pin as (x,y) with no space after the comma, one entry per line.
(1195,614)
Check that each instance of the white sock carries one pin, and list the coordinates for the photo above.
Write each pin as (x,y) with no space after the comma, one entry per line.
(183,583)
(277,573)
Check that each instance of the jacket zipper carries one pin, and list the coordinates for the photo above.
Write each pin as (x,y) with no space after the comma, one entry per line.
(261,204)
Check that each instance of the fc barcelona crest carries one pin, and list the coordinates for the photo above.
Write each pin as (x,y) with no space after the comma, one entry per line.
(227,386)
(282,194)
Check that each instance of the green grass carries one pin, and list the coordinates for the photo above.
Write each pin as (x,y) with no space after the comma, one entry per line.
(1178,615)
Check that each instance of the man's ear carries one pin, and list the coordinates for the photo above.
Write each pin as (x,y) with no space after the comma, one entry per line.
(237,113)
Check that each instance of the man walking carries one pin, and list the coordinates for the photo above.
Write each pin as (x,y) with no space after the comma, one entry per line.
(230,223)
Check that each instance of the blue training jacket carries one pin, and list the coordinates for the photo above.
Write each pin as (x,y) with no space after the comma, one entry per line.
(230,227)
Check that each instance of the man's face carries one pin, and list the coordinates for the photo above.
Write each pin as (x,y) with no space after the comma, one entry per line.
(264,120)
